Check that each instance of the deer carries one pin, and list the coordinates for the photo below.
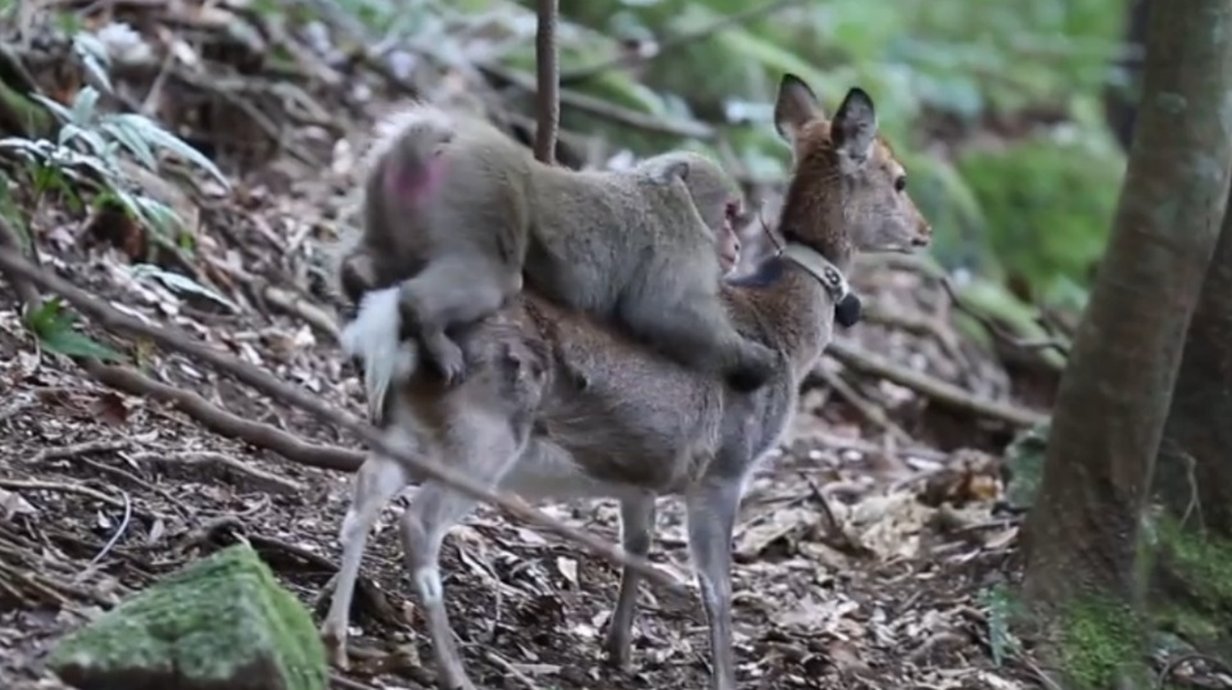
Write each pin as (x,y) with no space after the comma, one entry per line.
(626,423)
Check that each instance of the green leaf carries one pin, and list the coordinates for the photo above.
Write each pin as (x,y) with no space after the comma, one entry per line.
(52,324)
(85,106)
(93,55)
(131,140)
(158,137)
(74,344)
(1000,640)
(70,131)
(56,108)
(181,283)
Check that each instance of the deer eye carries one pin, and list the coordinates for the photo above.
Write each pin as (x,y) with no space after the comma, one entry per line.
(900,183)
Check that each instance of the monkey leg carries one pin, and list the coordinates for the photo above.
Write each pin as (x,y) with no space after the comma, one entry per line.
(453,291)
(357,275)
(695,332)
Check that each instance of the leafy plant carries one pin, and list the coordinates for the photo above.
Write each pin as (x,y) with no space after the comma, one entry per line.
(88,148)
(52,324)
(999,607)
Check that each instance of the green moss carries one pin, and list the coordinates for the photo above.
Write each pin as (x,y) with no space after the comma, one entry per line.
(1102,640)
(222,622)
(1203,563)
(1195,626)
(1047,208)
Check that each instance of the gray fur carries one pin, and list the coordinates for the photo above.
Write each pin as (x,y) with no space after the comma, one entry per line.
(632,247)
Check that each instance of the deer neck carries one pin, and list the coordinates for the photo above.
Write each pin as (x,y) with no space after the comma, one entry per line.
(793,305)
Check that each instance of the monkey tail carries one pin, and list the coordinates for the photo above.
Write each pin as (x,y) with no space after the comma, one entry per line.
(372,337)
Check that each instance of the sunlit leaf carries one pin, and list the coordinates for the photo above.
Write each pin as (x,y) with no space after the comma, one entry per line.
(57,109)
(181,283)
(85,106)
(160,138)
(70,131)
(131,140)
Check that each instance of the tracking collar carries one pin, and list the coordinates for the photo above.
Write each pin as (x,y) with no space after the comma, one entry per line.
(846,304)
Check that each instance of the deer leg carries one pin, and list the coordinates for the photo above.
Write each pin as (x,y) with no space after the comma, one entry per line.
(636,525)
(711,510)
(485,450)
(378,480)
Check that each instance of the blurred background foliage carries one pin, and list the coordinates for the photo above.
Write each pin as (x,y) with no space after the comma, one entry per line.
(997,108)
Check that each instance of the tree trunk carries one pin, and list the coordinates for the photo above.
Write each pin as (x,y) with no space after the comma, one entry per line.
(1080,539)
(1192,588)
(1195,458)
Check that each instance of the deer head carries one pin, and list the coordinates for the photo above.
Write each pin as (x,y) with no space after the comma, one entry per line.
(869,210)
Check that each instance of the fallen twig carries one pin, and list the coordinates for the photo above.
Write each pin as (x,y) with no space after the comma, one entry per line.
(939,391)
(26,292)
(14,265)
(1176,663)
(35,485)
(269,483)
(863,405)
(508,667)
(286,300)
(997,330)
(128,514)
(222,422)
(77,449)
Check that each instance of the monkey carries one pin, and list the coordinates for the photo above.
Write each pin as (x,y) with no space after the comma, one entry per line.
(459,215)
(729,251)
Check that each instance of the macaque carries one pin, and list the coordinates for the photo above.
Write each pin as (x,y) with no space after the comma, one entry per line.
(458,214)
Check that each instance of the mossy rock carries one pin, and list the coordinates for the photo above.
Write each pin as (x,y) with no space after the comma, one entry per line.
(223,622)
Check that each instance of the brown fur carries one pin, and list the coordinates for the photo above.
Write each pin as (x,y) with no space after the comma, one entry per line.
(645,426)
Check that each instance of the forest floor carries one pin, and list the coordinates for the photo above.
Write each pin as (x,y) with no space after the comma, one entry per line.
(869,551)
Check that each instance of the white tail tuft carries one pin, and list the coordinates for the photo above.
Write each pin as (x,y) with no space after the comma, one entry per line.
(373,338)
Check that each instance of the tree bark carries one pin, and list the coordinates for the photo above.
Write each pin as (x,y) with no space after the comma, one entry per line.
(1191,590)
(1081,537)
(1194,479)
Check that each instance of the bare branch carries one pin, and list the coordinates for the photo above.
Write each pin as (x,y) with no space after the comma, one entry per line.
(26,292)
(937,390)
(225,423)
(996,329)
(548,75)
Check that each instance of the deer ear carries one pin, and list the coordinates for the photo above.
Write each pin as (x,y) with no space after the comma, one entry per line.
(795,106)
(854,127)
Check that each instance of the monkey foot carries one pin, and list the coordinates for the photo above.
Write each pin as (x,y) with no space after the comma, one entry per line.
(447,357)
